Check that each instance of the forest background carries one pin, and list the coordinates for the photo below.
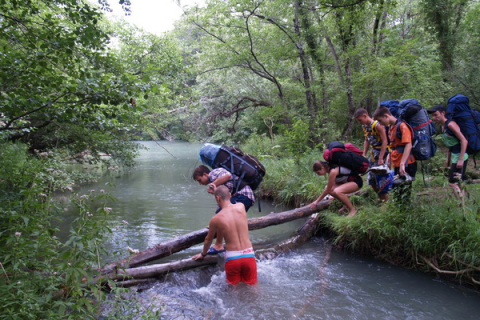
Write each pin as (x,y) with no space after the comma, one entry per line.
(281,78)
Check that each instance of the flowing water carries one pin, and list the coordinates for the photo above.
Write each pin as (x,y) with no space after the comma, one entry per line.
(159,201)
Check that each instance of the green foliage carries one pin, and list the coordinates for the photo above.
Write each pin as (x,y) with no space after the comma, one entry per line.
(320,65)
(69,80)
(41,277)
(297,139)
(289,179)
(439,231)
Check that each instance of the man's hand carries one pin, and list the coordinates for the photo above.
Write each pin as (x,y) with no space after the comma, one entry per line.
(313,205)
(211,188)
(460,164)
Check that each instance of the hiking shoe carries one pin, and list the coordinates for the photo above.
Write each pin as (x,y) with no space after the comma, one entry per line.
(398,179)
(383,169)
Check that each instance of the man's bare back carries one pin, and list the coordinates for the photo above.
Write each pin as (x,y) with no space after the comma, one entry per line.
(232,222)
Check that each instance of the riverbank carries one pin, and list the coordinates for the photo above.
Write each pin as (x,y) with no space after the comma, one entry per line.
(437,234)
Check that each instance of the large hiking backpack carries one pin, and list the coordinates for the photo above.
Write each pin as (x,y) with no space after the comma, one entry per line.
(246,167)
(346,155)
(393,106)
(415,115)
(458,110)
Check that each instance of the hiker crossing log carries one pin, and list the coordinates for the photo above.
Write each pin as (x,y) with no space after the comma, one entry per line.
(185,241)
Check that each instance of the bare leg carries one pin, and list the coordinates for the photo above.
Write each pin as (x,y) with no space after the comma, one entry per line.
(457,191)
(339,192)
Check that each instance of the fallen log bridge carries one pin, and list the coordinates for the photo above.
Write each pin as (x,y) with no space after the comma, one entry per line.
(180,243)
(151,272)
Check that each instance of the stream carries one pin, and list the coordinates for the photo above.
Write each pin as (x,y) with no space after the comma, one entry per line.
(158,200)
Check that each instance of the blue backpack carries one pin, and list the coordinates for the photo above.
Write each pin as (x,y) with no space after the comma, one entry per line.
(393,106)
(458,110)
(411,112)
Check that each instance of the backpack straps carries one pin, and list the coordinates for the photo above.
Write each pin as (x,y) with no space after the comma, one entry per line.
(456,148)
(398,133)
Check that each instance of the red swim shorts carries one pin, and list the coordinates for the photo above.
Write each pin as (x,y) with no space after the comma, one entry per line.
(241,269)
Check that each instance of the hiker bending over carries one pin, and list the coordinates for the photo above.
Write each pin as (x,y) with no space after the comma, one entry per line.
(376,138)
(231,221)
(220,176)
(457,147)
(340,182)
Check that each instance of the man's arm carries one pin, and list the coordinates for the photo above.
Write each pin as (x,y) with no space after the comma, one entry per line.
(217,177)
(463,142)
(212,230)
(222,180)
(383,137)
(366,144)
(405,156)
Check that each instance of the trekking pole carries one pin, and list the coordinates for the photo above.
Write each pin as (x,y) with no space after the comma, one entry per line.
(428,174)
(423,173)
(258,197)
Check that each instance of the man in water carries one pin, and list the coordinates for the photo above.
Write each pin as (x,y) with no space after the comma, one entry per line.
(231,223)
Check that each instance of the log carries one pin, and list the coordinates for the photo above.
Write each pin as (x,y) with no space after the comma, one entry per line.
(177,244)
(125,276)
(156,270)
(302,235)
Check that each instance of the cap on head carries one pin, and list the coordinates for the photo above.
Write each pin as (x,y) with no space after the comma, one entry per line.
(438,107)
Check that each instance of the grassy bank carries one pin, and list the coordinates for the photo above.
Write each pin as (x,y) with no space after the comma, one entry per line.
(438,233)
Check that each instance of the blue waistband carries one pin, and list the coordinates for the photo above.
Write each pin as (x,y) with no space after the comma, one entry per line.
(250,255)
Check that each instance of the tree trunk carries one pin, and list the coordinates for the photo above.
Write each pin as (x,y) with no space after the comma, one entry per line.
(302,235)
(182,242)
(156,270)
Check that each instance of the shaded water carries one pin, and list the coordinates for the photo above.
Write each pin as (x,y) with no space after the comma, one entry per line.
(159,200)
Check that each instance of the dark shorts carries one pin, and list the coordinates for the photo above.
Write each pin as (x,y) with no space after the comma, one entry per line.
(453,169)
(357,179)
(243,199)
(411,169)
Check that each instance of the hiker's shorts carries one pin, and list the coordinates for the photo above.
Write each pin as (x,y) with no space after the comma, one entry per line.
(457,174)
(241,266)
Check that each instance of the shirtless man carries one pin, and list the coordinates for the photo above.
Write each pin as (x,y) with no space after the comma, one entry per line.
(231,223)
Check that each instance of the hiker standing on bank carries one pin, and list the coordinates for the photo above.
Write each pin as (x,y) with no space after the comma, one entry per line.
(376,138)
(403,161)
(341,181)
(456,143)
